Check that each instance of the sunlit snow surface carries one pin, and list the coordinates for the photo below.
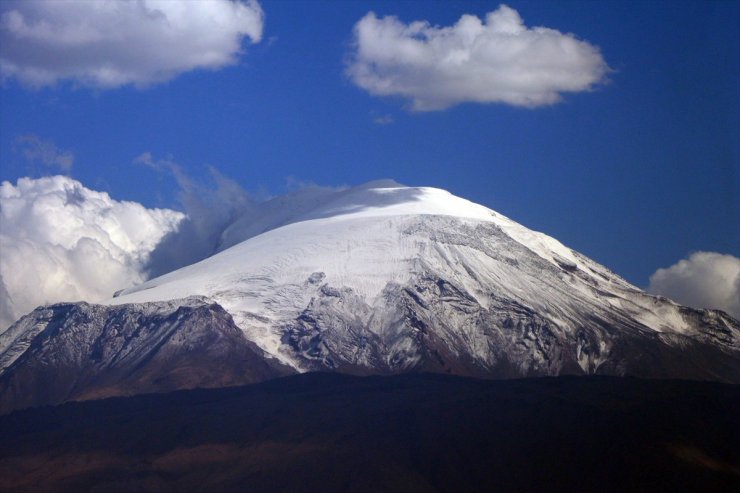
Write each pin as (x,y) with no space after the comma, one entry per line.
(381,234)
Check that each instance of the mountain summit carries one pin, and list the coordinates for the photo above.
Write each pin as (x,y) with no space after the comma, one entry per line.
(384,278)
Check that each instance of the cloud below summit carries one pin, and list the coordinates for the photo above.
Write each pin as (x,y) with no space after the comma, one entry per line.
(494,60)
(704,280)
(108,44)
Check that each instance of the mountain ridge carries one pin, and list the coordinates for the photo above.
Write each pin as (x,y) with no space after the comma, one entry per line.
(383,278)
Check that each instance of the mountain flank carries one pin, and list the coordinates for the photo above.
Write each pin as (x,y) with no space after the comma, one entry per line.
(403,433)
(379,279)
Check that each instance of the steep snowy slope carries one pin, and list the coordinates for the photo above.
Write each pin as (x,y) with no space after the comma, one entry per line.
(385,278)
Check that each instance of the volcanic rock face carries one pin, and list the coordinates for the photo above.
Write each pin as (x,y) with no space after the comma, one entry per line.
(376,279)
(82,351)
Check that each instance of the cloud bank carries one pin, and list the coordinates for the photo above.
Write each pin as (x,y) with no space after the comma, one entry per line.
(704,280)
(106,44)
(38,150)
(494,60)
(61,241)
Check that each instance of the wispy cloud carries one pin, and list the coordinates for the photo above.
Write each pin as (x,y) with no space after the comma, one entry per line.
(210,207)
(704,280)
(61,241)
(106,44)
(38,150)
(383,120)
(494,60)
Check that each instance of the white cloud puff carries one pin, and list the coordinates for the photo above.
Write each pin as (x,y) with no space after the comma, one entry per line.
(704,280)
(63,242)
(495,60)
(110,43)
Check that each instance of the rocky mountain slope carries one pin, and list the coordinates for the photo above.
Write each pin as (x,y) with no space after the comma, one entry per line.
(78,351)
(384,278)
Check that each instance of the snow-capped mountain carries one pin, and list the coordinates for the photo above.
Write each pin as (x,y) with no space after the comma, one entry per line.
(384,278)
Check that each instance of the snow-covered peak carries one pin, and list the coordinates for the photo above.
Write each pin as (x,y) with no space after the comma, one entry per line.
(382,198)
(359,261)
(398,201)
(382,183)
(360,237)
(376,198)
(384,278)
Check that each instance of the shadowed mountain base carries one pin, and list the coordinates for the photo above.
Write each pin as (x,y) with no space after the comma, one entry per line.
(329,432)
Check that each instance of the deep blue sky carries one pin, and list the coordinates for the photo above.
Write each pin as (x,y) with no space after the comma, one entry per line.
(636,174)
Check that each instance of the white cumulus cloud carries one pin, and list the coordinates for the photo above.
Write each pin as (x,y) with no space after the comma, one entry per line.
(494,60)
(61,241)
(110,43)
(704,280)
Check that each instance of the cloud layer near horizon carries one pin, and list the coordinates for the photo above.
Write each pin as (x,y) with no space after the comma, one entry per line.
(494,60)
(107,44)
(704,280)
(61,241)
